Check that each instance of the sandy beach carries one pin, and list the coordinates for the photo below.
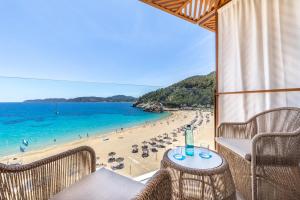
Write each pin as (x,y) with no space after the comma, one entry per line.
(121,143)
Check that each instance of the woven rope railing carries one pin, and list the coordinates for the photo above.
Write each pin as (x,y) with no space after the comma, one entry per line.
(44,178)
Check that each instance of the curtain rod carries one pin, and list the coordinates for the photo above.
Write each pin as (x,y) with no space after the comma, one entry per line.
(261,91)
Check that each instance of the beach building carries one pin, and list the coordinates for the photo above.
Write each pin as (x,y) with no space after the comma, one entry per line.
(256,121)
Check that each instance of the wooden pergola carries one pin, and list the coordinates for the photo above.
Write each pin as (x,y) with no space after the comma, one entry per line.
(200,12)
(204,14)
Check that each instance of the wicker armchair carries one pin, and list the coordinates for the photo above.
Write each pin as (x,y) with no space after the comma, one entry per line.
(72,175)
(264,154)
(44,178)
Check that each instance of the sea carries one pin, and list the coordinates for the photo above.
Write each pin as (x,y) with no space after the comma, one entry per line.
(31,126)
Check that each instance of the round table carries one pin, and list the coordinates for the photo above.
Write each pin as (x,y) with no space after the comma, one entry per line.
(199,178)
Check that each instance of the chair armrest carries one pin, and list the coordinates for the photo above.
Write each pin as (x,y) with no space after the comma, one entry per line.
(159,187)
(243,130)
(276,148)
(44,178)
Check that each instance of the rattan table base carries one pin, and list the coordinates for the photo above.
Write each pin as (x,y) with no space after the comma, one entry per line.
(192,183)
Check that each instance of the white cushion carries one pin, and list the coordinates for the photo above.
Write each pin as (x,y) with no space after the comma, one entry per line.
(241,147)
(102,184)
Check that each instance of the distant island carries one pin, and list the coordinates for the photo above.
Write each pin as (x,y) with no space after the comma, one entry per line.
(195,91)
(116,98)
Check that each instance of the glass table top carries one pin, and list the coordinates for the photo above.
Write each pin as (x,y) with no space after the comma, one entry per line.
(196,162)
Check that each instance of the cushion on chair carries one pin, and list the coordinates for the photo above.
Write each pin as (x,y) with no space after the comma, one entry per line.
(102,184)
(241,147)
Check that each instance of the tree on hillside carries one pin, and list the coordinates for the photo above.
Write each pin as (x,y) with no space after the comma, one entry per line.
(195,90)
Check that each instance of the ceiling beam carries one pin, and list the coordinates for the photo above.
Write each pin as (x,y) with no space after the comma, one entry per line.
(206,17)
(179,9)
(202,14)
(168,11)
(171,3)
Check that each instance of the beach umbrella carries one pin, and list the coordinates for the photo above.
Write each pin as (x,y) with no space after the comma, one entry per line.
(145,150)
(120,159)
(22,149)
(144,142)
(161,146)
(134,148)
(153,143)
(144,147)
(25,142)
(154,150)
(111,154)
(23,146)
(145,153)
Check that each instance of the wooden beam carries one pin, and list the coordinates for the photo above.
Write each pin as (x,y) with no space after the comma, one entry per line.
(175,6)
(216,111)
(206,17)
(190,8)
(208,8)
(200,8)
(205,6)
(171,3)
(212,29)
(183,6)
(161,1)
(196,2)
(168,11)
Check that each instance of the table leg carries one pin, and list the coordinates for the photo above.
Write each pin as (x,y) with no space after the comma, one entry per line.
(213,187)
(180,185)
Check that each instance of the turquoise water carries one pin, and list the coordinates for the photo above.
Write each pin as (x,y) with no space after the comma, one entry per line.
(42,123)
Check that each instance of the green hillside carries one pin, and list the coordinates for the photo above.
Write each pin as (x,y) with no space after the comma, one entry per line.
(193,91)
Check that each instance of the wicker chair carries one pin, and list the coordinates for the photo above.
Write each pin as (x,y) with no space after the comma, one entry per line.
(44,178)
(69,173)
(264,154)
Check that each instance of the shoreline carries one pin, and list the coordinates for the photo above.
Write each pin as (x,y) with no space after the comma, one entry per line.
(121,143)
(83,134)
(97,134)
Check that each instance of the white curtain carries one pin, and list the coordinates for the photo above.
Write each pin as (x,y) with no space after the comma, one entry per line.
(259,48)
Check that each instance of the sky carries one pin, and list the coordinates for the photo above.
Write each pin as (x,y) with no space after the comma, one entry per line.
(115,41)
